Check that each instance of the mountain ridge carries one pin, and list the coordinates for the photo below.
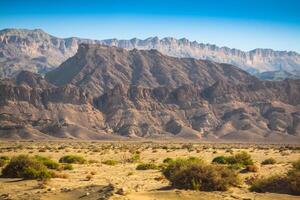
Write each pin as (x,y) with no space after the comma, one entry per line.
(39,52)
(117,93)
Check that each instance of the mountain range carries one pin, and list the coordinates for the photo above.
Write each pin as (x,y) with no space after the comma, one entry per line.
(39,52)
(105,92)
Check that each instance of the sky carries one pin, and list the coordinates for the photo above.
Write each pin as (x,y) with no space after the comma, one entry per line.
(241,24)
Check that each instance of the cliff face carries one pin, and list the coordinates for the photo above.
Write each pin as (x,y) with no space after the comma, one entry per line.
(39,52)
(103,92)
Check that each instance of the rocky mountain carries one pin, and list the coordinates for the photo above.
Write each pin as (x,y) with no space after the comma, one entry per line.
(39,52)
(108,92)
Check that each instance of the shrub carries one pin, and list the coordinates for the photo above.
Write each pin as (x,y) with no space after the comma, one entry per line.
(110,162)
(220,160)
(271,184)
(50,164)
(25,167)
(289,183)
(237,161)
(146,166)
(293,179)
(168,160)
(194,174)
(134,158)
(242,158)
(72,159)
(67,166)
(55,174)
(296,165)
(3,160)
(251,168)
(269,161)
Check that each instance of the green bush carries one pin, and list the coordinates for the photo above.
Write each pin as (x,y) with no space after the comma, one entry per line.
(220,160)
(50,164)
(196,175)
(168,160)
(67,166)
(72,159)
(269,161)
(3,160)
(275,184)
(146,166)
(239,160)
(296,165)
(25,167)
(289,183)
(110,162)
(134,158)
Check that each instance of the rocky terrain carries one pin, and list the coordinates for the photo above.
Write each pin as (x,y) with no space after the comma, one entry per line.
(39,52)
(107,92)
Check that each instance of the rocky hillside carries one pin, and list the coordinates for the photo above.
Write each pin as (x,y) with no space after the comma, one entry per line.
(107,92)
(39,52)
(97,68)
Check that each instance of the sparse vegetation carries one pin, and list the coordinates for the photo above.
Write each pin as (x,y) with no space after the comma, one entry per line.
(251,168)
(289,183)
(239,160)
(3,160)
(26,167)
(269,161)
(110,162)
(67,166)
(146,166)
(74,159)
(196,175)
(50,164)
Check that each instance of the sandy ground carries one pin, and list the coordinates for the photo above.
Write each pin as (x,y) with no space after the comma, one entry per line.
(147,184)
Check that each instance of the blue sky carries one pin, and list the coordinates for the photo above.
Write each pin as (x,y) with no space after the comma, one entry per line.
(242,24)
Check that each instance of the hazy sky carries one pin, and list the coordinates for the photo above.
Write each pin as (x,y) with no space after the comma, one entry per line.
(242,24)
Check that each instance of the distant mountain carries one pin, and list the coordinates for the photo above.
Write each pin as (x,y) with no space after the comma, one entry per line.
(278,75)
(39,52)
(105,92)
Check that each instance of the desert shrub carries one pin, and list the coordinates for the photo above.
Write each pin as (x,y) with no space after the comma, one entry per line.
(238,161)
(196,175)
(146,166)
(296,165)
(3,160)
(50,164)
(67,166)
(270,184)
(251,168)
(168,160)
(110,162)
(293,179)
(289,183)
(136,157)
(55,174)
(92,161)
(220,160)
(25,167)
(269,161)
(72,159)
(242,158)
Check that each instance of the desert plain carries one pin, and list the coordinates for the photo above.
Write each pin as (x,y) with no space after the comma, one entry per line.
(110,170)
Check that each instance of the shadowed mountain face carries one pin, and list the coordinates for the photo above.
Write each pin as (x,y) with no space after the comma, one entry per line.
(39,52)
(103,92)
(96,68)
